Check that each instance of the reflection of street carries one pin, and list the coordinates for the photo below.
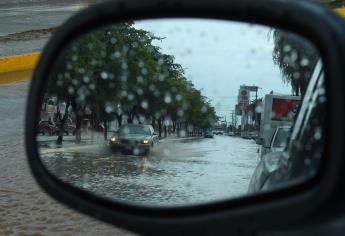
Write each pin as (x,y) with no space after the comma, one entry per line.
(175,172)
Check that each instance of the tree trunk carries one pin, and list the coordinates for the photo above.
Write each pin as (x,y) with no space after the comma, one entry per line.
(160,127)
(119,120)
(77,129)
(105,131)
(62,125)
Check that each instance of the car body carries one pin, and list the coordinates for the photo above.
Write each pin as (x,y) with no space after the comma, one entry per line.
(209,135)
(269,162)
(291,164)
(137,138)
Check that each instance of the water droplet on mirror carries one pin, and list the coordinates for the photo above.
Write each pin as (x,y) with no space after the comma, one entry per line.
(258,109)
(182,133)
(287,48)
(167,98)
(318,133)
(144,104)
(305,62)
(140,91)
(296,75)
(130,97)
(104,75)
(71,90)
(203,109)
(144,71)
(113,40)
(92,86)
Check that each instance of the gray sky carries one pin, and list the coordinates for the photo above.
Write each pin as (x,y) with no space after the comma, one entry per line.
(219,56)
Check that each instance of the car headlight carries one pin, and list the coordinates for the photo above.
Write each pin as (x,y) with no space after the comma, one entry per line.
(145,141)
(113,139)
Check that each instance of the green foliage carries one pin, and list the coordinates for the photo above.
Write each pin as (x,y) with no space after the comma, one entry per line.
(296,58)
(117,73)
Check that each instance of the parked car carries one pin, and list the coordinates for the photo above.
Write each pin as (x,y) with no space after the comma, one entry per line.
(290,165)
(137,138)
(209,134)
(269,162)
(47,127)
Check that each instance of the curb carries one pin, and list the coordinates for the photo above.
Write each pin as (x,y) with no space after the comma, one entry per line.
(17,67)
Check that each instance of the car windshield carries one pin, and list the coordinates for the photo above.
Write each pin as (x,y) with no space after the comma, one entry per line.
(281,138)
(134,129)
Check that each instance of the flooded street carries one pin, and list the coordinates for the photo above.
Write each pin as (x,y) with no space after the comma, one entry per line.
(176,172)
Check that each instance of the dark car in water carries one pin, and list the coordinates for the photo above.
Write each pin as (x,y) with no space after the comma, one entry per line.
(136,138)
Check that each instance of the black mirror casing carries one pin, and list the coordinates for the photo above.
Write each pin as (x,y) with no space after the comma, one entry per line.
(320,198)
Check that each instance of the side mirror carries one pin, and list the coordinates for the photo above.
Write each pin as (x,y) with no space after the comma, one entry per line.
(176,67)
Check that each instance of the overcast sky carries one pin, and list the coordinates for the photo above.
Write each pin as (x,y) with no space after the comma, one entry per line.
(219,56)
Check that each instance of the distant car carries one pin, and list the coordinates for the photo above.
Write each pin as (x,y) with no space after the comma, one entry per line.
(47,127)
(218,132)
(136,138)
(209,135)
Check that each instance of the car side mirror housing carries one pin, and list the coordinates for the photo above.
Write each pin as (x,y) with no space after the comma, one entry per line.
(255,213)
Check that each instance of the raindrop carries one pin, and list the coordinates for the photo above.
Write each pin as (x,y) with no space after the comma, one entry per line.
(74,58)
(305,62)
(140,91)
(124,93)
(156,93)
(258,109)
(92,86)
(322,99)
(144,104)
(71,90)
(113,40)
(318,133)
(124,66)
(182,133)
(141,64)
(204,109)
(167,98)
(287,48)
(90,45)
(152,87)
(117,54)
(296,75)
(130,97)
(104,75)
(109,108)
(140,79)
(75,82)
(307,162)
(144,71)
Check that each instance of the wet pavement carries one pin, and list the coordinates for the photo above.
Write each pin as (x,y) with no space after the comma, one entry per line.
(176,172)
(24,208)
(26,26)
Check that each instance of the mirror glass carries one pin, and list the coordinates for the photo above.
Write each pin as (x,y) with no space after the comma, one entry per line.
(176,112)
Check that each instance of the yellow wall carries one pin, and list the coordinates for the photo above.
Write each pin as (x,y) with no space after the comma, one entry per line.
(341,11)
(17,67)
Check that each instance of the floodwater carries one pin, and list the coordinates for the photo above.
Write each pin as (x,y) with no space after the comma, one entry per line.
(176,172)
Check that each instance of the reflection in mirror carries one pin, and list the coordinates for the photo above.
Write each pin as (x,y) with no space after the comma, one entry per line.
(183,111)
